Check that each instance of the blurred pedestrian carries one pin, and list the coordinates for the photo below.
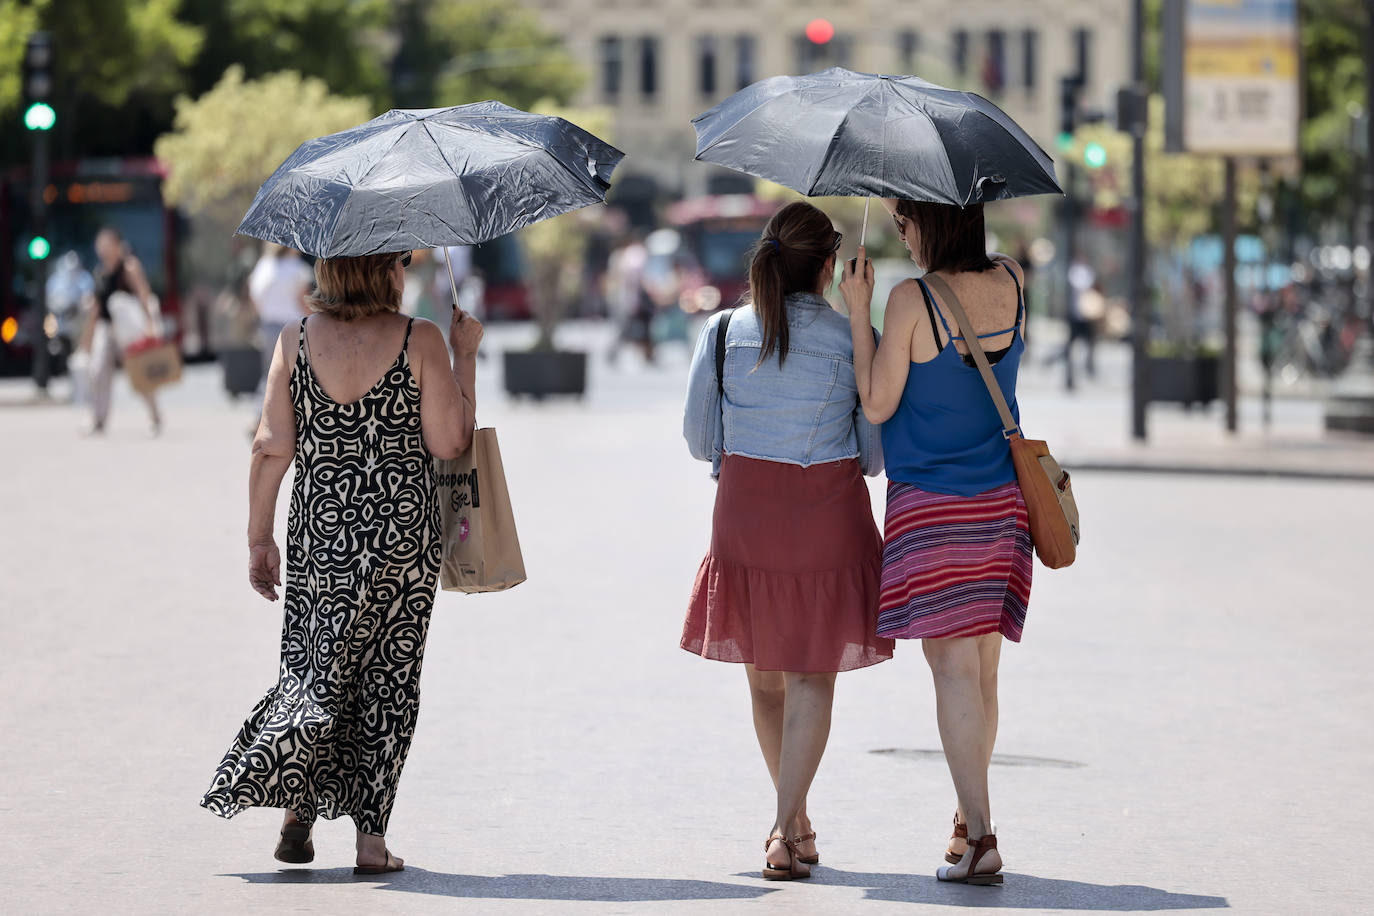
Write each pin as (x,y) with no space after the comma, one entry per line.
(361,399)
(118,271)
(790,585)
(1086,308)
(277,287)
(957,550)
(629,302)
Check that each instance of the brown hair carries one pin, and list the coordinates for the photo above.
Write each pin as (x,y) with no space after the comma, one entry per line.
(948,238)
(349,288)
(796,243)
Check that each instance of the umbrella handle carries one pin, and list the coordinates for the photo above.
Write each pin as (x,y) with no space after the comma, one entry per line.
(452,283)
(863,233)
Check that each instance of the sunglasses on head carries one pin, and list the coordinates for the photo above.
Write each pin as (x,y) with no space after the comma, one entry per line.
(405,259)
(839,240)
(900,223)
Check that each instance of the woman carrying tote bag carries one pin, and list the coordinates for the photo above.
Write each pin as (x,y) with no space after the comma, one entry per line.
(957,547)
(790,586)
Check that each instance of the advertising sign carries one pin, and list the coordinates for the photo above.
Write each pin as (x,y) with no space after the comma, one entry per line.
(1240,77)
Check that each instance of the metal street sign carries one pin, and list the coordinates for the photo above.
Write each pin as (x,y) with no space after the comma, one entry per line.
(1240,77)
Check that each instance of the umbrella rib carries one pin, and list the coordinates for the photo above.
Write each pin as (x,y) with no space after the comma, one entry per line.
(533,146)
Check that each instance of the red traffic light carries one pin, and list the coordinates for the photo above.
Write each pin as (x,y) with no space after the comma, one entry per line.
(820,31)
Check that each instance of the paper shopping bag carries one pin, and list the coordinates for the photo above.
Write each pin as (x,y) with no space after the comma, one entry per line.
(152,363)
(481,548)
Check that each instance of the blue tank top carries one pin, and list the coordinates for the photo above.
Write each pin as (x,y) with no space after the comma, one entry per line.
(946,436)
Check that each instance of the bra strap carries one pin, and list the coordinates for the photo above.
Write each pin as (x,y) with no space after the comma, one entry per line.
(931,299)
(930,311)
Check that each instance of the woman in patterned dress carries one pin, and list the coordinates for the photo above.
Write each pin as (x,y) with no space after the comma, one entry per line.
(361,399)
(956,544)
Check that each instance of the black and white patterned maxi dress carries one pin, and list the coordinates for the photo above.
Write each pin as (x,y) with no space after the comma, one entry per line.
(362,559)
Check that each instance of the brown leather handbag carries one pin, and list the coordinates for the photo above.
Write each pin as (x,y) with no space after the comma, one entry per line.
(1044,484)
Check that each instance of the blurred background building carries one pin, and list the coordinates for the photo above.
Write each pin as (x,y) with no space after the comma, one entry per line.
(659,63)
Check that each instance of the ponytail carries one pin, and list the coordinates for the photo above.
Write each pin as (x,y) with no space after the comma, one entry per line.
(766,285)
(788,259)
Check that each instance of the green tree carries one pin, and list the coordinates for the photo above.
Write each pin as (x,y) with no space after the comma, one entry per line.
(453,53)
(226,143)
(18,18)
(346,43)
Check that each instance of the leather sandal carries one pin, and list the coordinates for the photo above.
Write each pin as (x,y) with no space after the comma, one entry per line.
(808,860)
(980,848)
(392,864)
(794,868)
(295,847)
(960,833)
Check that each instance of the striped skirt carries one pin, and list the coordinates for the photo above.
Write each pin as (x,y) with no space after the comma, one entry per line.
(955,565)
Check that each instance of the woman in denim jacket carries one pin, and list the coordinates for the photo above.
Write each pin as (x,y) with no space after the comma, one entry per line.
(790,586)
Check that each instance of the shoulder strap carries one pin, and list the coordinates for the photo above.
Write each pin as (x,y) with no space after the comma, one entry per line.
(930,311)
(721,330)
(405,345)
(303,351)
(1009,427)
(1020,296)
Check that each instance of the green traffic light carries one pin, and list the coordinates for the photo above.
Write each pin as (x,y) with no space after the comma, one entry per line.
(40,116)
(1065,142)
(39,248)
(1094,155)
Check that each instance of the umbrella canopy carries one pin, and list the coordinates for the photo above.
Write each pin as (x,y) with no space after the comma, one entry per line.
(846,134)
(426,178)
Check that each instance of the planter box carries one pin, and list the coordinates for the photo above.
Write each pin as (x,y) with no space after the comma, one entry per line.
(1185,379)
(539,373)
(242,369)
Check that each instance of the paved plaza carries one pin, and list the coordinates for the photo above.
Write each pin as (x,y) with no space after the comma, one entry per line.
(1185,727)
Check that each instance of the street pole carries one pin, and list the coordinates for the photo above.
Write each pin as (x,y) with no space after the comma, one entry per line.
(1228,270)
(38,213)
(1069,210)
(1137,290)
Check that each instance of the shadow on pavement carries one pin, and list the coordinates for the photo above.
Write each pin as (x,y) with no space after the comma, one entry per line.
(1020,892)
(519,887)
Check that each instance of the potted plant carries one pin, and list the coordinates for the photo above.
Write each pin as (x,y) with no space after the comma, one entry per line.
(1184,373)
(555,249)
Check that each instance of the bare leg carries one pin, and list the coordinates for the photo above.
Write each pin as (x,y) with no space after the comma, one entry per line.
(154,417)
(102,374)
(767,692)
(989,656)
(960,711)
(806,727)
(372,850)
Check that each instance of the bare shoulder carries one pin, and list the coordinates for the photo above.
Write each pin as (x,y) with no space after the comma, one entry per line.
(905,298)
(1010,262)
(427,334)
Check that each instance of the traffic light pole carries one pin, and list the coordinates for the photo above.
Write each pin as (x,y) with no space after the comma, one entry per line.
(38,211)
(1137,287)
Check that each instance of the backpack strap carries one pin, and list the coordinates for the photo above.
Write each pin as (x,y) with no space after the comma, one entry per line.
(721,329)
(1009,426)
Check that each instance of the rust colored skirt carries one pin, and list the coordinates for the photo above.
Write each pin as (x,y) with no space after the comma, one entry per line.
(792,581)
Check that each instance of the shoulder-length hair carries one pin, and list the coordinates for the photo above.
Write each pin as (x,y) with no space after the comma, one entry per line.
(948,238)
(349,288)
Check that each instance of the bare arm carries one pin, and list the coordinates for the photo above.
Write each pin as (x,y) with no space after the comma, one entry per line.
(139,281)
(274,447)
(880,370)
(448,399)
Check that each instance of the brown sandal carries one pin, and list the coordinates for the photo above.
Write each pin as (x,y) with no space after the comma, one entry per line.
(392,864)
(295,847)
(808,860)
(980,847)
(960,833)
(793,870)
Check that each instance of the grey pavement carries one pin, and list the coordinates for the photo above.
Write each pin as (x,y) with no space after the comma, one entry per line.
(1185,727)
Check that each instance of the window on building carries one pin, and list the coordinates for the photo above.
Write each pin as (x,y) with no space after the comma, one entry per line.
(706,65)
(994,73)
(746,60)
(958,47)
(1083,40)
(1030,40)
(908,49)
(611,66)
(648,67)
(833,53)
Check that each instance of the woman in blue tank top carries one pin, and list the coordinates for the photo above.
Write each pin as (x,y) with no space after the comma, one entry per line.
(956,545)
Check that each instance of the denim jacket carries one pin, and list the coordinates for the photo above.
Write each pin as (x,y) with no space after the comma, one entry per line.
(805,412)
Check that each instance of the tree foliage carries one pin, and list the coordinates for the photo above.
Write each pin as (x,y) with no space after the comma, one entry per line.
(227,142)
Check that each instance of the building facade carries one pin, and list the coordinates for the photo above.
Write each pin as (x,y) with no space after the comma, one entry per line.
(659,63)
